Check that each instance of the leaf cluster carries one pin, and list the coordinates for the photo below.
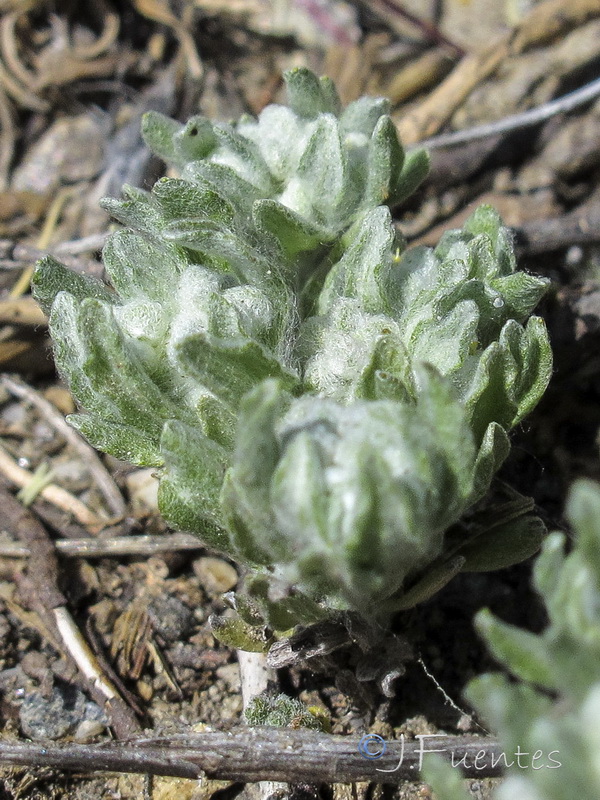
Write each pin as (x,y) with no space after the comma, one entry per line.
(553,706)
(321,403)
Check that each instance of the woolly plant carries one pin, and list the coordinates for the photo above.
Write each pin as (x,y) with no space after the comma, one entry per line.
(551,711)
(320,402)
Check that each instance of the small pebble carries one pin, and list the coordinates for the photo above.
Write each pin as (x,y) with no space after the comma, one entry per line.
(58,715)
(170,618)
(142,488)
(216,575)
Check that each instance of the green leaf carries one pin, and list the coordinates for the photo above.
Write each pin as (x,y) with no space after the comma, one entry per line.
(361,116)
(298,502)
(436,577)
(180,199)
(492,453)
(244,156)
(107,375)
(485,219)
(158,131)
(286,611)
(234,632)
(138,210)
(195,140)
(245,495)
(509,708)
(414,171)
(525,654)
(121,441)
(501,546)
(488,399)
(446,781)
(363,270)
(139,267)
(51,277)
(324,170)
(527,363)
(230,368)
(293,233)
(384,165)
(307,95)
(583,512)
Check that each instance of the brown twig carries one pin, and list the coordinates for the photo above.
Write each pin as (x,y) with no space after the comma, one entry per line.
(542,22)
(7,138)
(265,754)
(13,255)
(114,547)
(99,473)
(429,30)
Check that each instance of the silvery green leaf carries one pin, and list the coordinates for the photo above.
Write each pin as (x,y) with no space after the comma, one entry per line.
(293,233)
(523,652)
(188,495)
(181,200)
(139,267)
(137,211)
(488,398)
(446,781)
(235,252)
(338,493)
(308,96)
(583,511)
(445,341)
(361,116)
(159,131)
(551,710)
(52,277)
(224,180)
(493,451)
(229,367)
(244,157)
(217,420)
(339,350)
(363,271)
(384,163)
(194,140)
(108,376)
(122,441)
(486,220)
(501,546)
(527,363)
(414,171)
(510,708)
(323,169)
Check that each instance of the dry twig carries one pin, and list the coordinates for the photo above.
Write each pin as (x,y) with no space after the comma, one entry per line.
(99,473)
(263,754)
(53,494)
(514,122)
(114,547)
(544,21)
(13,255)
